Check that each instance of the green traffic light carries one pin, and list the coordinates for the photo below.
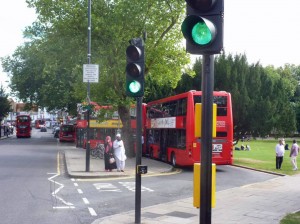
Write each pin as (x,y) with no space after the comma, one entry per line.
(201,33)
(134,86)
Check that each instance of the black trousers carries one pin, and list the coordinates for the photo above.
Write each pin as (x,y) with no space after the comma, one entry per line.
(279,160)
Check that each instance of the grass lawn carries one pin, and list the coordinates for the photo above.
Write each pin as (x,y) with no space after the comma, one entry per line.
(291,219)
(262,156)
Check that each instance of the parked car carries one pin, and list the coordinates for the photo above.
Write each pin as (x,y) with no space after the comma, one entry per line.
(43,129)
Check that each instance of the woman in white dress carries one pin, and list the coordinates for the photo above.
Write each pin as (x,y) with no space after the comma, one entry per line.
(119,151)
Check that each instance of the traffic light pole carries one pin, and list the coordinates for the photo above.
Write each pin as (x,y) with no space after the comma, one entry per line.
(206,140)
(138,178)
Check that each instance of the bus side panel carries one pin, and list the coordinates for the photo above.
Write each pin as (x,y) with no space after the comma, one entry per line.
(183,157)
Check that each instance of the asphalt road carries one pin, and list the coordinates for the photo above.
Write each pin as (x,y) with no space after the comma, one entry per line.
(35,189)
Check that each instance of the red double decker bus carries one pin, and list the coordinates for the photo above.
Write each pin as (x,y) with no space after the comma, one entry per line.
(170,129)
(67,133)
(97,130)
(23,128)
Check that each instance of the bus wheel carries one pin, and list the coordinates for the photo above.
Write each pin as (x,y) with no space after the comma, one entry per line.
(173,159)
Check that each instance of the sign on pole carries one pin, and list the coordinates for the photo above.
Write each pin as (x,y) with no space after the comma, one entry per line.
(90,73)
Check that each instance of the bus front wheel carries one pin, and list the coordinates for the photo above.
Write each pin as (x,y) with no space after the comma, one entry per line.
(173,159)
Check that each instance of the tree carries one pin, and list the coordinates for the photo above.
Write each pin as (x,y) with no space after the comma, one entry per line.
(60,37)
(264,99)
(5,107)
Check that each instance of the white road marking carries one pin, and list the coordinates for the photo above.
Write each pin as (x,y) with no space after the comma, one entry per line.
(112,188)
(75,184)
(85,200)
(63,207)
(92,211)
(54,193)
(106,187)
(80,191)
(131,186)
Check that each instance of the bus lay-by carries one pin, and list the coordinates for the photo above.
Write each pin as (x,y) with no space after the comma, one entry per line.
(170,129)
(23,128)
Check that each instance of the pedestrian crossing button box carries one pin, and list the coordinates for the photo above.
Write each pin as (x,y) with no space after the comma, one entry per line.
(142,169)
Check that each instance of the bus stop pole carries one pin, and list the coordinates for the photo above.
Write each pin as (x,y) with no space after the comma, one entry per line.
(87,157)
(138,178)
(206,140)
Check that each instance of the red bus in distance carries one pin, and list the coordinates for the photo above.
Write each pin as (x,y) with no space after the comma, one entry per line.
(170,129)
(67,133)
(38,123)
(23,128)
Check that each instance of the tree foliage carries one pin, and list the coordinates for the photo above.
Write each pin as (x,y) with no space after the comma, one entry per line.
(5,107)
(53,59)
(265,99)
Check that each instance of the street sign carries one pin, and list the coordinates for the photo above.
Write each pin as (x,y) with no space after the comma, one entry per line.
(91,73)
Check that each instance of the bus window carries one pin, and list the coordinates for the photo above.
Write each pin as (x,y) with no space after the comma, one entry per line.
(182,107)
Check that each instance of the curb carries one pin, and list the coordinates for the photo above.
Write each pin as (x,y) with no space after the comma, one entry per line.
(263,171)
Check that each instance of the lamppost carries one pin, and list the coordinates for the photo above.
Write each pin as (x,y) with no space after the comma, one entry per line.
(87,165)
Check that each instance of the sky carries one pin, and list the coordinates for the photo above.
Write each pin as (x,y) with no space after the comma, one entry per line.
(267,31)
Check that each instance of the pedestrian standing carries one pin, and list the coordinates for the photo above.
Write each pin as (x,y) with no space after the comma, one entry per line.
(294,153)
(119,151)
(109,160)
(279,153)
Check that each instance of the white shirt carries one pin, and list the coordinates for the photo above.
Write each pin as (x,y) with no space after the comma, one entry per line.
(119,150)
(279,150)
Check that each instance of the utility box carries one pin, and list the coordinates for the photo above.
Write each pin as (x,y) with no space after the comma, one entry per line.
(196,195)
(141,169)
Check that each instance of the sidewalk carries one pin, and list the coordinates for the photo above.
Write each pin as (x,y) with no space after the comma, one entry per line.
(76,166)
(260,203)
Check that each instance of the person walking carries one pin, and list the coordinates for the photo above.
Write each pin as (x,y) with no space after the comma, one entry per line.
(109,160)
(279,153)
(294,153)
(119,151)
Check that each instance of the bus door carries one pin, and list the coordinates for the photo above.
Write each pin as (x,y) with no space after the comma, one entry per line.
(163,144)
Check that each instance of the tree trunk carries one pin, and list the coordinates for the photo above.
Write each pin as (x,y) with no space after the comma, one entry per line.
(127,132)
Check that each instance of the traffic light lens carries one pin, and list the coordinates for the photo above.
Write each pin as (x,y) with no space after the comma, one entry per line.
(201,33)
(133,52)
(133,69)
(134,87)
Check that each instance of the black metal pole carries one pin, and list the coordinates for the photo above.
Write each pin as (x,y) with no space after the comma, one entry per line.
(138,178)
(87,164)
(206,140)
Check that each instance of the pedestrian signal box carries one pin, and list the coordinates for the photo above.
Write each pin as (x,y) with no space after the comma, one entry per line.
(198,123)
(197,182)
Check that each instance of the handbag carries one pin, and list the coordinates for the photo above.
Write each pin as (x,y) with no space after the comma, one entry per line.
(111,160)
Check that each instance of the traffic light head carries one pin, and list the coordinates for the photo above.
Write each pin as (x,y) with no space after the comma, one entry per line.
(135,57)
(203,26)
